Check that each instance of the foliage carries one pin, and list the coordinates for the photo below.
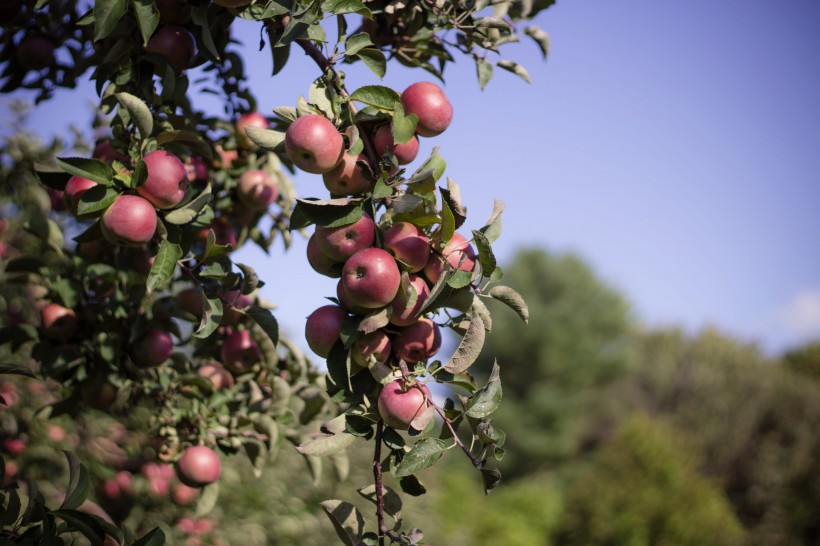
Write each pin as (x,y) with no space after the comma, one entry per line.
(804,360)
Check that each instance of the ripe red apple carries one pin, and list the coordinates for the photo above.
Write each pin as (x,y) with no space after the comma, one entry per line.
(224,232)
(240,352)
(401,314)
(183,495)
(198,466)
(375,344)
(430,104)
(418,342)
(104,151)
(74,190)
(174,11)
(130,221)
(257,189)
(340,243)
(167,180)
(383,142)
(347,178)
(323,327)
(14,446)
(214,372)
(190,301)
(176,44)
(371,278)
(59,323)
(249,119)
(320,262)
(35,52)
(408,243)
(344,300)
(314,144)
(400,403)
(225,158)
(154,348)
(458,253)
(196,169)
(9,393)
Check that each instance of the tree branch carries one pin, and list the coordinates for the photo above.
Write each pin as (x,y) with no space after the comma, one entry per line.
(377,475)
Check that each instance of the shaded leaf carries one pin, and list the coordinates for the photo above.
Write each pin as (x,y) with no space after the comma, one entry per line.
(512,299)
(487,399)
(265,138)
(377,96)
(107,13)
(93,169)
(347,520)
(541,38)
(79,484)
(265,319)
(328,212)
(469,347)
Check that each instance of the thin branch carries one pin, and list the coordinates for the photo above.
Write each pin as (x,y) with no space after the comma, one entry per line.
(377,475)
(476,462)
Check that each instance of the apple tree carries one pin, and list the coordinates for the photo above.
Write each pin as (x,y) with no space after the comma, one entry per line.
(130,304)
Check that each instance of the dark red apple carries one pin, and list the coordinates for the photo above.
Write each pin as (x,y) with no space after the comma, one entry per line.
(176,44)
(409,244)
(98,393)
(430,104)
(340,243)
(320,262)
(347,178)
(371,278)
(198,466)
(240,352)
(249,119)
(130,221)
(383,142)
(344,300)
(154,348)
(459,254)
(256,189)
(59,323)
(375,344)
(190,301)
(104,151)
(314,144)
(401,314)
(418,342)
(214,372)
(323,327)
(167,179)
(234,301)
(35,52)
(400,403)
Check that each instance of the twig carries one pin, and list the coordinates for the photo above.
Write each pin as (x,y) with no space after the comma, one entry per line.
(377,475)
(476,462)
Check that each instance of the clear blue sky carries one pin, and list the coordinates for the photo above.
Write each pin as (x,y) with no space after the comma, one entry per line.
(675,146)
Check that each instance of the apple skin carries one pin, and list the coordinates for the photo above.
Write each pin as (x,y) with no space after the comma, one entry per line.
(98,394)
(344,300)
(314,144)
(176,44)
(104,151)
(320,262)
(196,169)
(190,301)
(167,179)
(405,153)
(249,119)
(408,243)
(154,348)
(35,52)
(240,352)
(198,466)
(457,247)
(418,342)
(323,327)
(174,11)
(257,189)
(373,344)
(183,495)
(371,278)
(400,404)
(130,221)
(340,243)
(347,178)
(214,372)
(59,323)
(430,104)
(400,314)
(74,190)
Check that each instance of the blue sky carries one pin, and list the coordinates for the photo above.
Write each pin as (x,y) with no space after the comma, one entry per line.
(675,146)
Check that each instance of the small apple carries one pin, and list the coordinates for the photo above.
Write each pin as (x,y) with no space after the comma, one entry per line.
(35,52)
(408,243)
(59,323)
(249,119)
(400,313)
(375,344)
(167,180)
(314,144)
(183,495)
(214,372)
(224,232)
(320,262)
(240,352)
(323,327)
(256,189)
(224,158)
(418,342)
(74,190)
(405,153)
(174,11)
(130,220)
(176,44)
(14,446)
(430,104)
(190,301)
(459,254)
(371,278)
(400,403)
(347,178)
(198,466)
(340,243)
(154,348)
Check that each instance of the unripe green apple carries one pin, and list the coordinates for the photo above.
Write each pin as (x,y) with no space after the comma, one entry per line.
(314,144)
(430,104)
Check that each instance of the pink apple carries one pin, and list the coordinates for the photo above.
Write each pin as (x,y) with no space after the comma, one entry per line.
(383,142)
(408,243)
(176,44)
(74,190)
(430,104)
(371,278)
(340,243)
(344,300)
(183,495)
(130,220)
(458,253)
(249,119)
(196,169)
(154,348)
(323,327)
(198,466)
(401,314)
(314,144)
(320,262)
(214,372)
(257,189)
(400,403)
(375,344)
(418,342)
(234,302)
(167,179)
(240,352)
(14,446)
(347,178)
(59,323)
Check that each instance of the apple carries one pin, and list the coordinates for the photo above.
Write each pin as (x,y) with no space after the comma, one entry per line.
(344,299)
(174,11)
(130,220)
(9,394)
(225,158)
(224,232)
(92,251)
(104,151)
(214,372)
(401,314)
(14,446)
(35,52)
(314,144)
(196,169)
(375,344)
(323,327)
(257,189)
(459,254)
(183,495)
(240,352)
(167,179)
(198,466)
(371,278)
(320,262)
(408,243)
(59,323)
(400,403)
(154,348)
(340,243)
(347,178)
(383,142)
(430,104)
(176,44)
(190,301)
(98,393)
(249,119)
(74,190)
(418,342)
(234,301)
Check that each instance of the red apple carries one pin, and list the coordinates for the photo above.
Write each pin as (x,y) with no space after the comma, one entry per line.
(323,327)
(408,243)
(401,314)
(175,43)
(430,104)
(174,11)
(375,344)
(340,243)
(224,232)
(371,278)
(183,495)
(418,342)
(35,52)
(98,393)
(14,446)
(130,221)
(400,403)
(59,323)
(74,190)
(198,466)
(154,348)
(249,119)
(214,372)
(234,301)
(320,262)
(383,142)
(257,189)
(190,301)
(240,352)
(167,180)
(459,254)
(347,178)
(225,158)
(344,299)
(104,151)
(314,144)
(196,169)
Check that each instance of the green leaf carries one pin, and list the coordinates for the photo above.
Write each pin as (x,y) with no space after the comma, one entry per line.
(341,7)
(96,199)
(485,253)
(484,71)
(140,113)
(516,69)
(429,173)
(93,169)
(107,13)
(412,486)
(459,279)
(377,96)
(200,19)
(280,55)
(154,537)
(448,220)
(189,139)
(541,38)
(491,478)
(211,317)
(84,524)
(187,213)
(14,368)
(392,501)
(326,444)
(375,320)
(265,138)
(511,299)
(492,229)
(265,319)
(452,196)
(357,42)
(424,453)
(375,60)
(403,127)
(13,508)
(470,346)
(147,18)
(347,521)
(165,263)
(328,212)
(487,399)
(79,485)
